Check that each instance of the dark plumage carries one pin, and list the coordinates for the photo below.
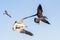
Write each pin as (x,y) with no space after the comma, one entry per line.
(45,21)
(39,15)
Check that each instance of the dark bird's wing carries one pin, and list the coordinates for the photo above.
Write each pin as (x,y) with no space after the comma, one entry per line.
(39,11)
(26,32)
(45,21)
(29,16)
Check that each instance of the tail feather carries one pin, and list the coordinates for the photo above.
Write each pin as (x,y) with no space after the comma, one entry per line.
(26,32)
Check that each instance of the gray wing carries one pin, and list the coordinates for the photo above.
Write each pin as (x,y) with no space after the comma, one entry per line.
(39,10)
(26,32)
(45,21)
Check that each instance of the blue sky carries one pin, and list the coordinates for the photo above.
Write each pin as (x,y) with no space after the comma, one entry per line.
(22,8)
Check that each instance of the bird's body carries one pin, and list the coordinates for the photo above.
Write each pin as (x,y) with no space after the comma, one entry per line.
(18,27)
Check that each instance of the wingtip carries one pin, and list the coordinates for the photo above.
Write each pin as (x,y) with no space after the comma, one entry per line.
(49,23)
(39,4)
(31,35)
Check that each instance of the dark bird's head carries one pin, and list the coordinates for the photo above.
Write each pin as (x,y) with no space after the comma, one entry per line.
(36,20)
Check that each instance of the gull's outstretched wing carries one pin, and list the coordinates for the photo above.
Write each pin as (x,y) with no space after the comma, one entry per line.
(7,14)
(39,11)
(45,21)
(29,16)
(26,32)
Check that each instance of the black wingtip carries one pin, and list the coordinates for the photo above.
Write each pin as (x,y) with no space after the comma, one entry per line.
(45,21)
(30,34)
(39,6)
(48,23)
(10,16)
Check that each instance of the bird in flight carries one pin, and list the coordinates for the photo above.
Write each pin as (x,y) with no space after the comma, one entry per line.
(19,26)
(7,13)
(39,15)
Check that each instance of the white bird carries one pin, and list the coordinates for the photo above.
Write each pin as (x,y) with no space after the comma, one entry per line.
(19,26)
(7,13)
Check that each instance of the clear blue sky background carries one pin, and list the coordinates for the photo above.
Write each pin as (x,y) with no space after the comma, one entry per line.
(22,8)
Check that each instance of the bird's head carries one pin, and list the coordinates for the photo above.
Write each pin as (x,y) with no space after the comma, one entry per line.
(36,20)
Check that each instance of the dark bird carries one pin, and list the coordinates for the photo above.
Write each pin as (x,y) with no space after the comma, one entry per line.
(7,13)
(19,26)
(39,15)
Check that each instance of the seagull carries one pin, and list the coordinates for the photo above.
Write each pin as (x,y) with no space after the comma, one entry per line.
(39,15)
(7,13)
(19,26)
